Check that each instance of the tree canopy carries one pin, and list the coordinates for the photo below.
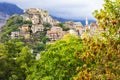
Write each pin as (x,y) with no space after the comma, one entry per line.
(59,60)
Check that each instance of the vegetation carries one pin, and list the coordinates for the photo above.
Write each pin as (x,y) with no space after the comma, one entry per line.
(47,26)
(13,24)
(63,26)
(101,55)
(14,60)
(58,61)
(71,58)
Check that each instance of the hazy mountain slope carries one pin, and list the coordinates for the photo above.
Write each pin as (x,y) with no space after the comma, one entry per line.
(8,9)
(74,20)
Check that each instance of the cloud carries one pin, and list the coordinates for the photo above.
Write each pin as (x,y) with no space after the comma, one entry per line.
(70,9)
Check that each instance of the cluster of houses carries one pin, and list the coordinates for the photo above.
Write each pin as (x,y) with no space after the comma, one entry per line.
(24,31)
(39,17)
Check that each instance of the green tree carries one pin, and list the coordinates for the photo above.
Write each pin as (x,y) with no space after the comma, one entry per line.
(63,26)
(24,61)
(8,68)
(28,22)
(47,26)
(13,47)
(45,39)
(58,61)
(15,60)
(39,47)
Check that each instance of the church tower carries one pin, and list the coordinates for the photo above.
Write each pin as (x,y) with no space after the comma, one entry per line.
(86,21)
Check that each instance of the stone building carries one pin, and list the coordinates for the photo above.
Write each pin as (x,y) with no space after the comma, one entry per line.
(15,34)
(25,28)
(55,33)
(37,27)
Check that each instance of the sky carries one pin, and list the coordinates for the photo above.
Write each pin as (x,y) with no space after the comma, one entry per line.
(68,9)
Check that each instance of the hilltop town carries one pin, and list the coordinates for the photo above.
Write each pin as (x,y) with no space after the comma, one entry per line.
(55,30)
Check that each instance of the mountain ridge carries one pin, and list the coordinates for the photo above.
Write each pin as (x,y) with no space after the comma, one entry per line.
(7,10)
(74,20)
(10,9)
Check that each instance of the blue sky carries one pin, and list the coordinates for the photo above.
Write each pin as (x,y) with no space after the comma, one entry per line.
(70,9)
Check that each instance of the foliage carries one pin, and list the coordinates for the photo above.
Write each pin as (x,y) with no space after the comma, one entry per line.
(6,66)
(101,54)
(13,56)
(63,27)
(12,24)
(45,39)
(58,61)
(109,17)
(28,22)
(7,63)
(39,47)
(47,26)
(13,48)
(101,60)
(25,60)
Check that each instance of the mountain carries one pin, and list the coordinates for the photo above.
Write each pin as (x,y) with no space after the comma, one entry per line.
(59,19)
(74,20)
(83,21)
(10,9)
(7,10)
